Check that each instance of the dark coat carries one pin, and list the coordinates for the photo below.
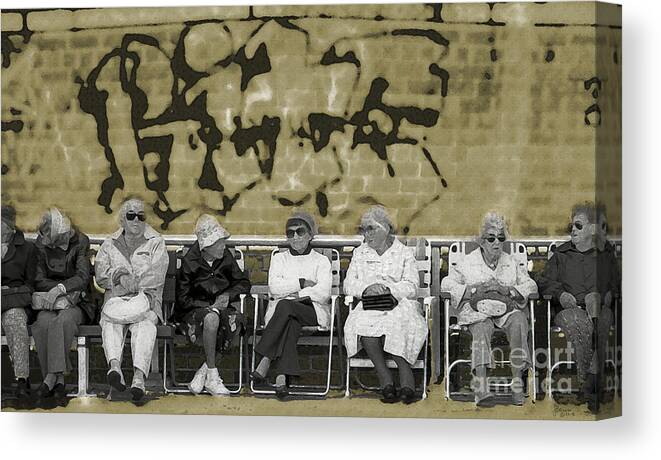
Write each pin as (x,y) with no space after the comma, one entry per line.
(580,273)
(70,267)
(198,284)
(18,273)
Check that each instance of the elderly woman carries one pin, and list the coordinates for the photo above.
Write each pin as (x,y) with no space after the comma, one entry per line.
(382,265)
(62,280)
(299,287)
(18,272)
(131,266)
(209,284)
(489,289)
(582,277)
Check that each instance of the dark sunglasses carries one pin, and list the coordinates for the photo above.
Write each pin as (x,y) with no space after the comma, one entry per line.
(578,225)
(491,239)
(300,231)
(367,230)
(133,215)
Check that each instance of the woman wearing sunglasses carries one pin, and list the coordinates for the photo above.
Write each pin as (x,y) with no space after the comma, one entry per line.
(62,282)
(582,277)
(489,289)
(300,281)
(383,266)
(131,265)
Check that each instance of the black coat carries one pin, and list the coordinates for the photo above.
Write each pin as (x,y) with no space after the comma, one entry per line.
(198,284)
(70,267)
(580,273)
(18,273)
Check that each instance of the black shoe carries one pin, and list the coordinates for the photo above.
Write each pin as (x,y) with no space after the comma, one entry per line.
(389,394)
(487,401)
(59,390)
(257,377)
(44,391)
(282,392)
(22,388)
(115,380)
(407,395)
(137,393)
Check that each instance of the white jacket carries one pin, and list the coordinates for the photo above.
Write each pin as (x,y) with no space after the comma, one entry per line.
(284,273)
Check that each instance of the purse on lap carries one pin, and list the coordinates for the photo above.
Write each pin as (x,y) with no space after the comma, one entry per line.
(126,309)
(383,302)
(61,303)
(492,303)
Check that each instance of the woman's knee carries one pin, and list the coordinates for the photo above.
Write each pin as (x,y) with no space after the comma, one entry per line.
(518,319)
(15,317)
(211,321)
(284,308)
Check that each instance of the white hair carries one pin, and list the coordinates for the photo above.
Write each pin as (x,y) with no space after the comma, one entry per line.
(379,214)
(493,220)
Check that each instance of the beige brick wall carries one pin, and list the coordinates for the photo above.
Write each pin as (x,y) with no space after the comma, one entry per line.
(226,96)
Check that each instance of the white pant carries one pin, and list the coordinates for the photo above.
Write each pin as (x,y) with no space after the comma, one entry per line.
(143,337)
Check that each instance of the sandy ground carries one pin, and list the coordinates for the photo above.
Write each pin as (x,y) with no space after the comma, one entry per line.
(336,405)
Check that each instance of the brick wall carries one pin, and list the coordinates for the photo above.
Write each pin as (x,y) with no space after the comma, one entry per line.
(439,112)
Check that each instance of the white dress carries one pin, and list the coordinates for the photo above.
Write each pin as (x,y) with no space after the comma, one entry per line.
(474,270)
(404,326)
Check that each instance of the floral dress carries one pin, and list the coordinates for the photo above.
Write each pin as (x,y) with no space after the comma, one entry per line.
(403,327)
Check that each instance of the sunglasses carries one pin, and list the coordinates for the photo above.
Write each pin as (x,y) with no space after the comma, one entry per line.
(300,231)
(491,239)
(578,225)
(368,229)
(132,215)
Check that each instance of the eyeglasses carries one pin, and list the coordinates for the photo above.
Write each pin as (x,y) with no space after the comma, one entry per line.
(132,215)
(369,229)
(578,225)
(300,231)
(491,239)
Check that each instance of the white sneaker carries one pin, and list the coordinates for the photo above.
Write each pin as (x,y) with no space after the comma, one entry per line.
(197,384)
(214,384)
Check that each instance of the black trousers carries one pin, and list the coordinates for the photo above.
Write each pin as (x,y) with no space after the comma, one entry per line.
(281,334)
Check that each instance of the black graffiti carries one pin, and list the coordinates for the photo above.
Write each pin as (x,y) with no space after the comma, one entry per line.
(594,108)
(376,124)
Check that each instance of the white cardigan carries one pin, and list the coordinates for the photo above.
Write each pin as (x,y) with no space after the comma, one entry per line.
(284,273)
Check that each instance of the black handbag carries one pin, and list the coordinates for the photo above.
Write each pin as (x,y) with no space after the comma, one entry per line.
(382,302)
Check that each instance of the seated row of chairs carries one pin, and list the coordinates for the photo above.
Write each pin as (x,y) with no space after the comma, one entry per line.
(332,336)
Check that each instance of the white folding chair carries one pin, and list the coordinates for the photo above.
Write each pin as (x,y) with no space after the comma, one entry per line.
(458,251)
(554,364)
(176,386)
(310,335)
(422,252)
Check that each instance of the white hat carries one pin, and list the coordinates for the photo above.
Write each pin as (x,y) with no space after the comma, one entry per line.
(208,231)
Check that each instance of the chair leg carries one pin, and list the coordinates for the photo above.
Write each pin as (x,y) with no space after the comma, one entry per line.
(447,348)
(549,364)
(83,368)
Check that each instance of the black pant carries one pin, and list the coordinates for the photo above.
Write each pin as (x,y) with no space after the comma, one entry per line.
(281,334)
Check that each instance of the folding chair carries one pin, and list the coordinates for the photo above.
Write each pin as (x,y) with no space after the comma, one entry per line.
(559,334)
(169,300)
(458,251)
(310,335)
(422,251)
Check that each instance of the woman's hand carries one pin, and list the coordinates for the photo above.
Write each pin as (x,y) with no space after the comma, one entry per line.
(376,289)
(308,283)
(118,273)
(129,282)
(221,303)
(51,296)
